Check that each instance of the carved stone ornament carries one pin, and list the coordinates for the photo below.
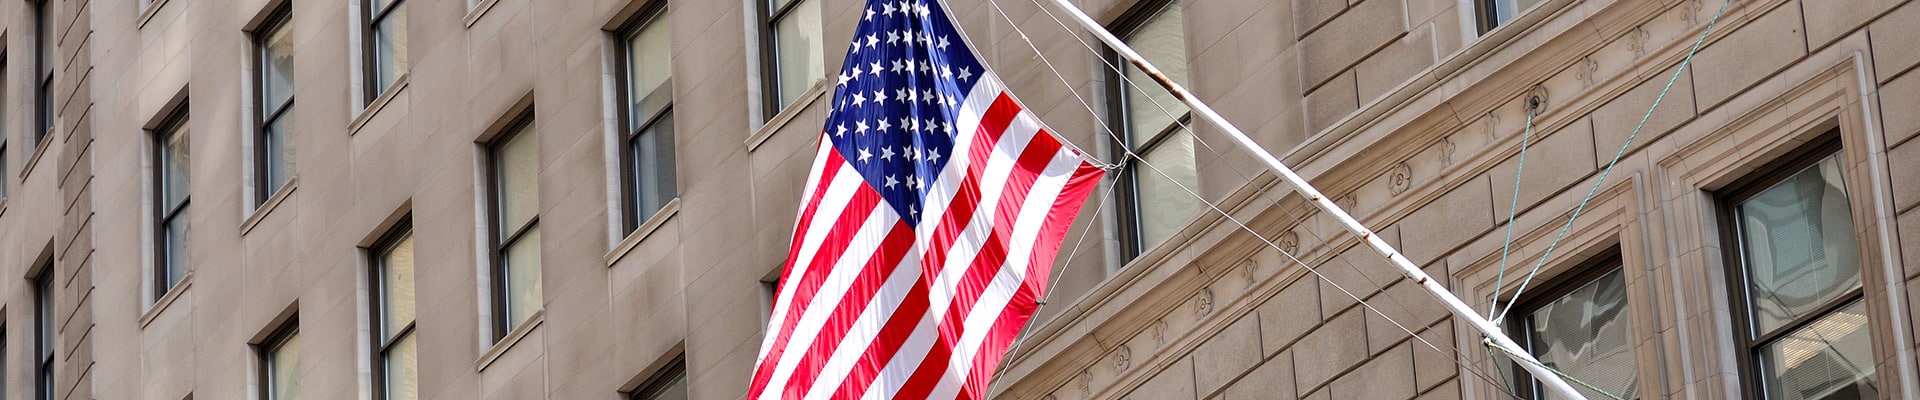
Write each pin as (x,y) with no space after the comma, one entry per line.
(1586,70)
(1400,179)
(1086,383)
(1493,126)
(1160,332)
(1203,303)
(1637,41)
(1290,243)
(1122,358)
(1246,271)
(1691,14)
(1447,148)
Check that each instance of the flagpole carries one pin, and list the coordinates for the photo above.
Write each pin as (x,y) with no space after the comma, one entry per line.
(1492,331)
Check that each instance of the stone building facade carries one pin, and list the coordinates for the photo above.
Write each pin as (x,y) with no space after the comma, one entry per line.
(389,235)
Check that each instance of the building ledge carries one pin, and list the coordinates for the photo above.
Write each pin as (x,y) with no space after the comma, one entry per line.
(379,103)
(273,203)
(512,339)
(166,301)
(779,121)
(645,230)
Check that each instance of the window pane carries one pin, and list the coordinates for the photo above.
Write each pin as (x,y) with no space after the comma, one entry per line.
(675,388)
(523,278)
(396,288)
(1830,358)
(283,365)
(797,42)
(518,181)
(1163,206)
(1798,243)
(1161,41)
(1586,335)
(653,173)
(176,242)
(1505,10)
(390,48)
(3,154)
(276,56)
(174,153)
(403,370)
(47,41)
(278,155)
(649,63)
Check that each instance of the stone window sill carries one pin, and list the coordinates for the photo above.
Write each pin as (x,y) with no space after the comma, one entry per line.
(806,99)
(273,203)
(379,103)
(478,11)
(39,151)
(641,233)
(166,301)
(147,14)
(512,338)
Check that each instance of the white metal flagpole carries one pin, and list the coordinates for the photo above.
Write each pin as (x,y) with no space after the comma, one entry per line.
(1492,332)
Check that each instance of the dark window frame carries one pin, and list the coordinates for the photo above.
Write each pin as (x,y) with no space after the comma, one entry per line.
(280,18)
(265,351)
(1520,328)
(1727,200)
(43,335)
(498,245)
(1486,14)
(633,127)
(658,384)
(43,75)
(1119,119)
(769,17)
(163,279)
(370,44)
(377,303)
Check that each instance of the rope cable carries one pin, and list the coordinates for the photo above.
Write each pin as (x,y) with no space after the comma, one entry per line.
(1513,208)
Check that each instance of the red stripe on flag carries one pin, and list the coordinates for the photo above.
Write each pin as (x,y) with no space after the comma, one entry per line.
(879,268)
(900,324)
(838,238)
(986,263)
(1072,196)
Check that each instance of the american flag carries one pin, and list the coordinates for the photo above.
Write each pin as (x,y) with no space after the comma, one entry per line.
(928,225)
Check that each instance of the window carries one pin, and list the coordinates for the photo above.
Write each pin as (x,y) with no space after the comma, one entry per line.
(43,332)
(386,45)
(273,81)
(669,384)
(43,42)
(791,49)
(1149,121)
(280,362)
(1494,13)
(516,226)
(1799,301)
(396,358)
(1581,327)
(170,182)
(647,171)
(4,136)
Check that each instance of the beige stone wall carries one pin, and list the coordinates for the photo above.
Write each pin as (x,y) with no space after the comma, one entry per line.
(1399,108)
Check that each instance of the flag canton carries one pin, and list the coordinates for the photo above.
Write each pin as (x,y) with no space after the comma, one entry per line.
(898,97)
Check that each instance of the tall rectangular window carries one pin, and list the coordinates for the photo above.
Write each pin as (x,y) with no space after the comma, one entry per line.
(647,170)
(1149,121)
(1493,13)
(273,45)
(43,332)
(515,184)
(669,384)
(171,195)
(386,45)
(43,43)
(791,50)
(5,134)
(1582,327)
(1797,264)
(280,363)
(396,360)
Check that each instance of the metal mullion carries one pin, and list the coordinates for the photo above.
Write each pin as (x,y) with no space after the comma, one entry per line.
(1802,321)
(275,114)
(775,16)
(386,343)
(517,233)
(650,122)
(1160,137)
(382,13)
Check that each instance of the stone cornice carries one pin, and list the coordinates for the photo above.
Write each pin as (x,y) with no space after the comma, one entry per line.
(1584,53)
